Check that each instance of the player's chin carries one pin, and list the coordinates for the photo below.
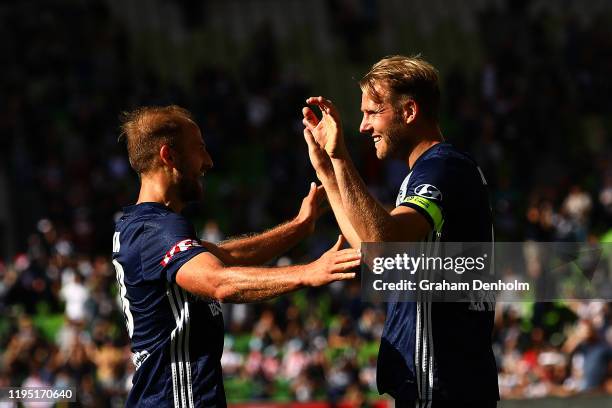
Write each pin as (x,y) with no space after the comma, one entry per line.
(192,191)
(199,190)
(381,151)
(197,196)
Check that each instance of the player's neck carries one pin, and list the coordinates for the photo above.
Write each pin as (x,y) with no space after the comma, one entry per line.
(429,135)
(155,189)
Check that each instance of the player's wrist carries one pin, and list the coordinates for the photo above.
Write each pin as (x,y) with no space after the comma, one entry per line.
(310,272)
(339,156)
(300,274)
(326,175)
(337,148)
(303,224)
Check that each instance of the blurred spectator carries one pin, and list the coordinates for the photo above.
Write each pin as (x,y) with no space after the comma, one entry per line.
(592,356)
(76,295)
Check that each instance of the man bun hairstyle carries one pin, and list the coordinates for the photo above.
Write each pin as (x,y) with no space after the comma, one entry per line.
(405,78)
(146,129)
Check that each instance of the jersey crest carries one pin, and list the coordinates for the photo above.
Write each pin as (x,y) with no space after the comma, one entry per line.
(428,191)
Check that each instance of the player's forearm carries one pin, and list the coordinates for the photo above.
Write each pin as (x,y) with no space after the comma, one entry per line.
(207,276)
(372,223)
(261,248)
(247,284)
(335,201)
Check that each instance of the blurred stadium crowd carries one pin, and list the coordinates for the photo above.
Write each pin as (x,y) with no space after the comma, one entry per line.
(532,112)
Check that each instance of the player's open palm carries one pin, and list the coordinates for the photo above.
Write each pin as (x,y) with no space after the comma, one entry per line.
(333,265)
(327,132)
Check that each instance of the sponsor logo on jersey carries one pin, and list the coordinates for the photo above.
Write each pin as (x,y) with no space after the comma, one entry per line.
(215,308)
(180,246)
(139,357)
(428,191)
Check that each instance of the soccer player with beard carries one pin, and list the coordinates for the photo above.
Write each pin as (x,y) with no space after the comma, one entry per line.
(436,353)
(170,283)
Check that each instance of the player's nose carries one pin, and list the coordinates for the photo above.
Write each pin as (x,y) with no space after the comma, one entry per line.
(208,162)
(365,126)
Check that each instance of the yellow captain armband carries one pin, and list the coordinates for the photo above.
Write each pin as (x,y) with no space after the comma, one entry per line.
(430,207)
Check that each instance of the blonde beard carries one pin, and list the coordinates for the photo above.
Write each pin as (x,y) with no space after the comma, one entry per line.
(397,141)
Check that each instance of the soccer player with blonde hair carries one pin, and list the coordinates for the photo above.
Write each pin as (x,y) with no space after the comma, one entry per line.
(431,354)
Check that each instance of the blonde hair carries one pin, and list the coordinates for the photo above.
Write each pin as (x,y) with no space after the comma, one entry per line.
(147,129)
(404,78)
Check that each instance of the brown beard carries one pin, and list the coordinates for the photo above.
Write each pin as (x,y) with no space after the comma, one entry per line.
(189,189)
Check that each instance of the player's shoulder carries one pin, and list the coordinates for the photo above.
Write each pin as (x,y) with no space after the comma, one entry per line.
(444,158)
(148,215)
(147,211)
(444,153)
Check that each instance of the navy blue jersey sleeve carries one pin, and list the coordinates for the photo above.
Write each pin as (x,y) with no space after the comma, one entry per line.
(169,242)
(425,190)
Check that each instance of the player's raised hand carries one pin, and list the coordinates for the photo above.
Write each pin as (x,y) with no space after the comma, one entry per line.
(333,265)
(312,206)
(327,132)
(318,157)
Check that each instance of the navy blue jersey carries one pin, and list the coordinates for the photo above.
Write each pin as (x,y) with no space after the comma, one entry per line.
(177,338)
(433,350)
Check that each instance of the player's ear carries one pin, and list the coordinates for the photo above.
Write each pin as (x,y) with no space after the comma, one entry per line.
(167,155)
(410,110)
